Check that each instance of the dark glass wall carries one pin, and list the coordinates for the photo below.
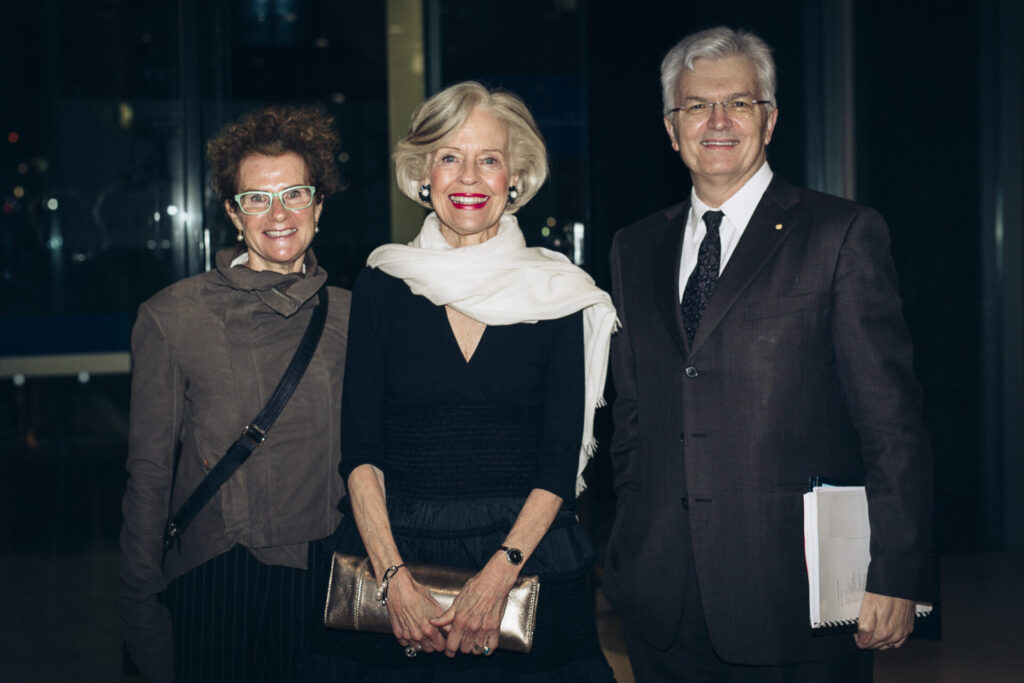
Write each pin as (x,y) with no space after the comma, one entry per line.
(919,166)
(89,160)
(90,227)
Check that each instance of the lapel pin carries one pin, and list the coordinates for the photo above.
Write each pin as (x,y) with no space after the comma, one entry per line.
(778,226)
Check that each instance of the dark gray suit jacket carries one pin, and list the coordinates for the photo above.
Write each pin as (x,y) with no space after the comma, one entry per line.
(801,367)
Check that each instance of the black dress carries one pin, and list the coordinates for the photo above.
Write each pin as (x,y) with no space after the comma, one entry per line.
(461,445)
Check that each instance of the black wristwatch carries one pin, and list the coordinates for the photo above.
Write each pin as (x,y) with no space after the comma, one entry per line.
(514,555)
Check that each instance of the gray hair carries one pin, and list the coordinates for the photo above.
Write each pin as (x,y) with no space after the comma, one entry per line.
(441,116)
(718,43)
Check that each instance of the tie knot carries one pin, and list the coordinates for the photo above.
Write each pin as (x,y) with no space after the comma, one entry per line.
(713,219)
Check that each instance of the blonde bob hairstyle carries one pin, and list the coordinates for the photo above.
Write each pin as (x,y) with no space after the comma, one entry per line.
(441,116)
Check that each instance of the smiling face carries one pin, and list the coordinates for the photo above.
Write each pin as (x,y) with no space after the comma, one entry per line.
(722,152)
(469,180)
(278,239)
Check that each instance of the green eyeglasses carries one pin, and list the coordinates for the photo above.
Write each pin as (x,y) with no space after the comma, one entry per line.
(738,108)
(257,202)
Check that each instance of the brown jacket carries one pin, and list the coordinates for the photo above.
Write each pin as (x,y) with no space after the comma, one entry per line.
(207,353)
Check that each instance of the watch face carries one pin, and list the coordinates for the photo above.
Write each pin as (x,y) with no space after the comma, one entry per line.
(515,555)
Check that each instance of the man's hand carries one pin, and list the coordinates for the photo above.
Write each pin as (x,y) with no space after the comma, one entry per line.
(885,622)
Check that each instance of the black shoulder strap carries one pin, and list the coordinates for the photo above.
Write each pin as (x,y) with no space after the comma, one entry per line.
(255,433)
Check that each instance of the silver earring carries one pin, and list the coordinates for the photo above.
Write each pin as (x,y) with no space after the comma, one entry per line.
(513,194)
(316,228)
(425,193)
(239,236)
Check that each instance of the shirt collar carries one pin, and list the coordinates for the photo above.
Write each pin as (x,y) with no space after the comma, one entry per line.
(740,207)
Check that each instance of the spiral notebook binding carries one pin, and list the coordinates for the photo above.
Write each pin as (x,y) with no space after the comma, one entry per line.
(921,611)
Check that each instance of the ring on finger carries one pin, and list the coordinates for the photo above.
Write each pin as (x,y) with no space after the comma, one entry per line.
(478,649)
(410,651)
(486,651)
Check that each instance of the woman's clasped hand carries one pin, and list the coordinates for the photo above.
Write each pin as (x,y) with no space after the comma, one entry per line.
(473,621)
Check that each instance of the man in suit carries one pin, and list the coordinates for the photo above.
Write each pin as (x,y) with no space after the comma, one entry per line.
(763,343)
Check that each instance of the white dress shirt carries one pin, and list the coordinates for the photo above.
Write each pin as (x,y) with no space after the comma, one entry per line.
(737,209)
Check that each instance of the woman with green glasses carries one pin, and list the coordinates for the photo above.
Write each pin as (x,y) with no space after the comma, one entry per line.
(225,598)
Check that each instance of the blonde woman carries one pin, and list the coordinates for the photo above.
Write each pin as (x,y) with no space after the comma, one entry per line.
(475,365)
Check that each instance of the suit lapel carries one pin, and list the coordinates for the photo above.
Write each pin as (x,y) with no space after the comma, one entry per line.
(760,239)
(667,252)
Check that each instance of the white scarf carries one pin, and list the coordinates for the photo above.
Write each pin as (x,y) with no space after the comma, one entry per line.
(504,282)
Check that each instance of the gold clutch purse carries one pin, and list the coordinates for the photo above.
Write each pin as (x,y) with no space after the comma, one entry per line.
(352,604)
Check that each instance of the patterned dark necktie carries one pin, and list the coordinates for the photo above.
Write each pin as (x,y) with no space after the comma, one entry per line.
(704,276)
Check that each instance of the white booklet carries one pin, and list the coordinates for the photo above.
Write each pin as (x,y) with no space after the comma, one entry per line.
(837,545)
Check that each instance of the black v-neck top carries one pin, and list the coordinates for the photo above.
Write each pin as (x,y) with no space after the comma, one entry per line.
(503,423)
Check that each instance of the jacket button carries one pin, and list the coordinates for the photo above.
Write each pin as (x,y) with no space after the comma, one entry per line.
(691,372)
(686,503)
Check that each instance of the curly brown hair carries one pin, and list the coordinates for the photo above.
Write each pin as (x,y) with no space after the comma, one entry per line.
(307,131)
